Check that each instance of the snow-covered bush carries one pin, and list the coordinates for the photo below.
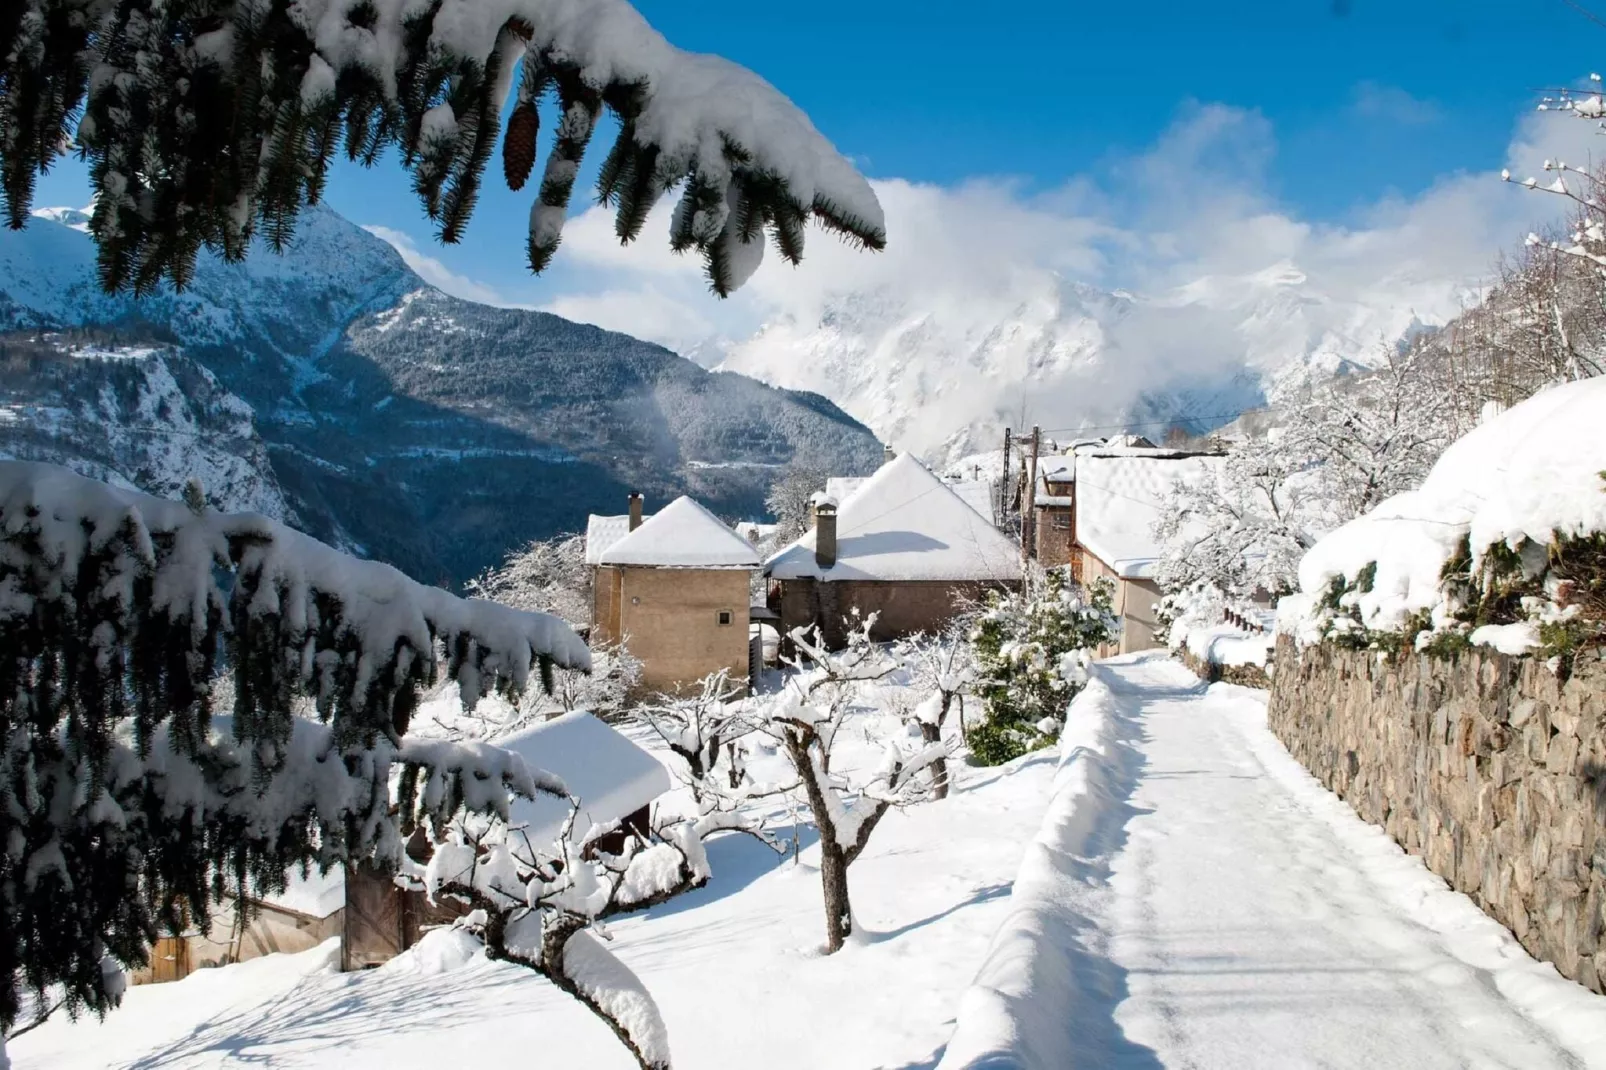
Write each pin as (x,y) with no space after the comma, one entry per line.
(1030,648)
(204,123)
(1504,544)
(805,720)
(130,802)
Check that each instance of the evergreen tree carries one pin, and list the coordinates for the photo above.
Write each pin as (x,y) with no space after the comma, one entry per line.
(208,120)
(132,798)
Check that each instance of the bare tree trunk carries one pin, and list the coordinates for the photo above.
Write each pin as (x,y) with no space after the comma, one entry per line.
(833,857)
(834,880)
(932,733)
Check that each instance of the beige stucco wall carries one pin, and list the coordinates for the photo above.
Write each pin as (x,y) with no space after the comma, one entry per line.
(669,620)
(1136,602)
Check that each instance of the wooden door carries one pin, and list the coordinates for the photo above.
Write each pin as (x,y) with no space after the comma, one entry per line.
(170,959)
(375,925)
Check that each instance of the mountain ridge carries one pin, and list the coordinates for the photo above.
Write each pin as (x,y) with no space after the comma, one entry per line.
(403,423)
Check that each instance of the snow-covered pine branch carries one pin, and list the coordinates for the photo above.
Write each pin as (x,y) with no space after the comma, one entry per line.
(130,800)
(805,719)
(203,126)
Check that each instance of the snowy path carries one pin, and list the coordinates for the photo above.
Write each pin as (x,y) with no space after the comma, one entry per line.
(1226,911)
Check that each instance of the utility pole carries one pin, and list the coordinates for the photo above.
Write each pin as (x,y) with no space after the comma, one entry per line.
(1002,513)
(1028,502)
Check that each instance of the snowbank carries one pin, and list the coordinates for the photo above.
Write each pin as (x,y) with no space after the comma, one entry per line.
(1012,1015)
(1527,476)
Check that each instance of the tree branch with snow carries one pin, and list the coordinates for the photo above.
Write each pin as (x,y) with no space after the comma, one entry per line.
(204,126)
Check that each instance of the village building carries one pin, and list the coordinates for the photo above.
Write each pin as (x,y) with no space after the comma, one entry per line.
(1052,505)
(614,781)
(674,589)
(1117,495)
(901,545)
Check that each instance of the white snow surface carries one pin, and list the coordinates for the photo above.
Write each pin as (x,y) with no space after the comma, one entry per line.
(1196,899)
(1207,905)
(610,776)
(904,523)
(603,531)
(1528,473)
(734,967)
(682,535)
(317,895)
(1121,494)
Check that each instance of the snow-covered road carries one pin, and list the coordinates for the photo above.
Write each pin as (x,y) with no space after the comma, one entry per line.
(1217,908)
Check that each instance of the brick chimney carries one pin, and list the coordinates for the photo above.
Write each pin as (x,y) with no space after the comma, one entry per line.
(635,511)
(825,533)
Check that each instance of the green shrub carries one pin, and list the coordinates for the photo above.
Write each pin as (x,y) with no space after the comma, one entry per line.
(1021,641)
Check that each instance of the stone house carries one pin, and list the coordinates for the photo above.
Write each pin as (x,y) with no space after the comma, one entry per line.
(902,545)
(1118,494)
(675,590)
(1053,504)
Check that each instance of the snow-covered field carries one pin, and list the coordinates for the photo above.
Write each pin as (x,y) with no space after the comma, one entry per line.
(1193,899)
(734,967)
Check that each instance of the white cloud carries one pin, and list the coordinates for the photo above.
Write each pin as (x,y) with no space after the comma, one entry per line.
(1373,100)
(972,310)
(437,274)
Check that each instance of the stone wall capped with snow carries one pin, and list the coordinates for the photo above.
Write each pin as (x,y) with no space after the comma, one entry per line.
(1490,768)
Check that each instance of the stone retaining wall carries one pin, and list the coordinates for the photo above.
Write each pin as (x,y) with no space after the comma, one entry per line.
(1491,769)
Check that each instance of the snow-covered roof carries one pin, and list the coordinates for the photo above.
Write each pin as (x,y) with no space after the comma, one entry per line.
(602,532)
(753,531)
(1527,474)
(978,494)
(610,776)
(1056,469)
(317,895)
(682,535)
(841,488)
(905,524)
(1120,495)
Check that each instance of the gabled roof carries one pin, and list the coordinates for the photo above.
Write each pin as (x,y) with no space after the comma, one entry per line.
(904,523)
(842,487)
(1121,496)
(976,493)
(682,535)
(602,532)
(610,776)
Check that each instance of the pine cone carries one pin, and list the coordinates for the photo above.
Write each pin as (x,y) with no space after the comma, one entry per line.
(518,147)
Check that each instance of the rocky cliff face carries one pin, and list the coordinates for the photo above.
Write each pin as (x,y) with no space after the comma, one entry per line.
(389,418)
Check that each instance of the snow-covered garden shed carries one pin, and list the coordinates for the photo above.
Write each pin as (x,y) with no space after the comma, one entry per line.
(308,912)
(1119,494)
(902,545)
(675,591)
(614,781)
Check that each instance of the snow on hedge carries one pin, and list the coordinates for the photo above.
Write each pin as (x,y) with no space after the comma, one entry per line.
(1014,1012)
(1524,478)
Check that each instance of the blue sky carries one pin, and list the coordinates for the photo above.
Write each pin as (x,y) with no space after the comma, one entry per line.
(1341,105)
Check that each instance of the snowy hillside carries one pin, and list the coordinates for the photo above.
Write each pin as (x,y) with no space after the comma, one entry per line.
(144,416)
(421,429)
(943,373)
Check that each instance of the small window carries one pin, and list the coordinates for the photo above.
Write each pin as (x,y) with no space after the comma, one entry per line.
(726,617)
(1061,521)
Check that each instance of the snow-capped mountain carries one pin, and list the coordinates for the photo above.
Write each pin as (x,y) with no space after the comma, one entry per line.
(371,408)
(945,376)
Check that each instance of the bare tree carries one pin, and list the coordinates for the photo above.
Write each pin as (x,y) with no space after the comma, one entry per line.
(790,500)
(805,720)
(942,667)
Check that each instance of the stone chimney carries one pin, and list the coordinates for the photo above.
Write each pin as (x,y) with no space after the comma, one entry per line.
(825,533)
(635,511)
(888,454)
